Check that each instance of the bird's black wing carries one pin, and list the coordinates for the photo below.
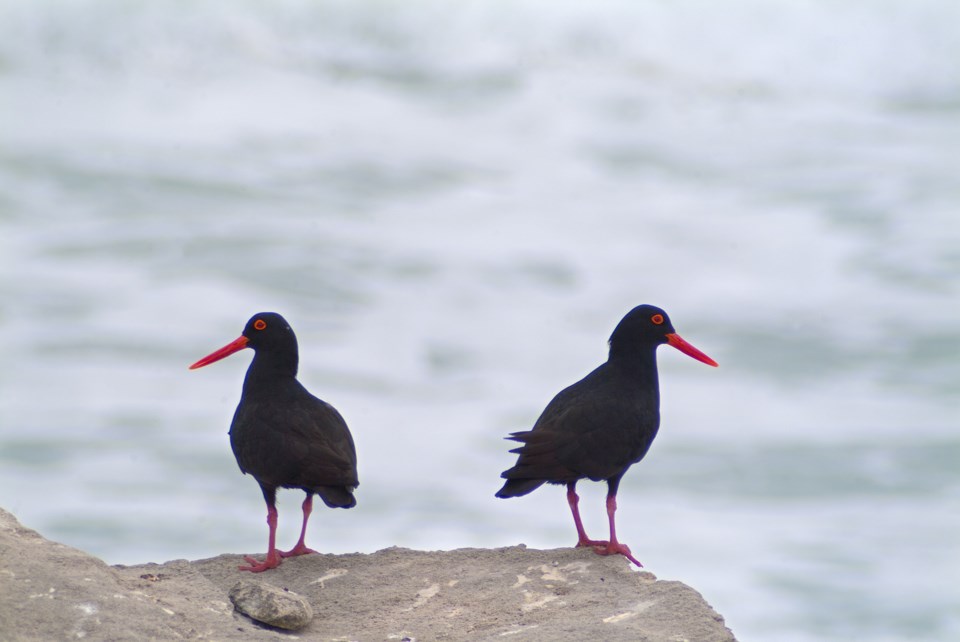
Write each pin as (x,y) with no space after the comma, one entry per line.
(321,446)
(595,428)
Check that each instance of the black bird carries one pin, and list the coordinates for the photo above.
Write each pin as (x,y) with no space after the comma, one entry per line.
(283,435)
(603,424)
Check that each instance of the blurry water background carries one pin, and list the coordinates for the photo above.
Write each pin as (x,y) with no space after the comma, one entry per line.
(453,204)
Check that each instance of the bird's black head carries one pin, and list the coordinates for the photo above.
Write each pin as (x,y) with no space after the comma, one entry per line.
(643,329)
(645,325)
(270,336)
(270,332)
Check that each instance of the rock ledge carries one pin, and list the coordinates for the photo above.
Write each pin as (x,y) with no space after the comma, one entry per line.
(51,591)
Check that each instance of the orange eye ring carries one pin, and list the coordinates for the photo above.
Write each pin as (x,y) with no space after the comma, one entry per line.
(259,324)
(657,319)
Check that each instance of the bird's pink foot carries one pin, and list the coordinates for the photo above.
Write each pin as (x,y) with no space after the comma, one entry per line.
(272,561)
(299,549)
(592,543)
(616,548)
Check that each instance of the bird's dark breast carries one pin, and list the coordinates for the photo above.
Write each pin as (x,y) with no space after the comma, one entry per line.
(302,443)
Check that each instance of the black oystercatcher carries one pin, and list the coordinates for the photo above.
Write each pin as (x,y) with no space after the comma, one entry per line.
(283,435)
(601,425)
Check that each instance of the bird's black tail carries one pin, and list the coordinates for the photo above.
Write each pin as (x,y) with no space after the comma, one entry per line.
(336,496)
(519,487)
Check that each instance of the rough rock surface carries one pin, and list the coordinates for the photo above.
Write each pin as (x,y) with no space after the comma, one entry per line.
(49,591)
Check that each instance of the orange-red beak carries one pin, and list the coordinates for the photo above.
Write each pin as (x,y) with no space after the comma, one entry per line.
(234,346)
(687,349)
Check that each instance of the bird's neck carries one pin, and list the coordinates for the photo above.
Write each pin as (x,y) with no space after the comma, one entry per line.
(638,362)
(268,369)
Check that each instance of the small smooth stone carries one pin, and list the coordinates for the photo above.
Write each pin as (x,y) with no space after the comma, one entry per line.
(271,605)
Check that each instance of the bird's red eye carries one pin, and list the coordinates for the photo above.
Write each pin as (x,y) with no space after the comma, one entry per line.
(259,324)
(657,319)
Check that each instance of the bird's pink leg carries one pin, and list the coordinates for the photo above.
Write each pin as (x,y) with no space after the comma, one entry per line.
(301,547)
(574,500)
(614,547)
(273,558)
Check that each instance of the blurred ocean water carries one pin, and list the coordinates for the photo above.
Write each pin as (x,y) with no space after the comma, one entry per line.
(454,204)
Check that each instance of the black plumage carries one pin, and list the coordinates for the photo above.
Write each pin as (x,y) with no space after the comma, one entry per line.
(284,436)
(600,426)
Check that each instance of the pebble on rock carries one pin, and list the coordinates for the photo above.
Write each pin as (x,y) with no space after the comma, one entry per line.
(271,605)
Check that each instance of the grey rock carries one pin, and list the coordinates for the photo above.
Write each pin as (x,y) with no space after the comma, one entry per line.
(49,591)
(271,605)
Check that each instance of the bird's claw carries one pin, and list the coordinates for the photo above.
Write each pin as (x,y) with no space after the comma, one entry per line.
(616,548)
(272,561)
(299,549)
(591,543)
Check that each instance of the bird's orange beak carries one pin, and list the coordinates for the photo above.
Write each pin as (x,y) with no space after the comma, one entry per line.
(234,346)
(677,342)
